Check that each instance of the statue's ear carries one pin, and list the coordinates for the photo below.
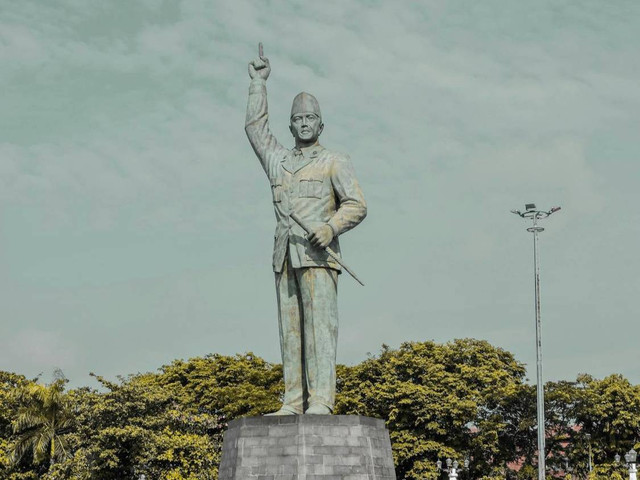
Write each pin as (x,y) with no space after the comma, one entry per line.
(291,130)
(320,129)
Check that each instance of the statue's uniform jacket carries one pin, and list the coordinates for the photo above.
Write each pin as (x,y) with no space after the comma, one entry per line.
(321,188)
(319,185)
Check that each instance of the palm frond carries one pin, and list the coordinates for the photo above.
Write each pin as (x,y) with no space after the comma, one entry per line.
(27,420)
(62,451)
(41,448)
(23,444)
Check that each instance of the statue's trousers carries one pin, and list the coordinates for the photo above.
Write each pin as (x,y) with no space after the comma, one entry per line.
(308,321)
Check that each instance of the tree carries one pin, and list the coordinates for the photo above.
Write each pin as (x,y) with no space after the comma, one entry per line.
(439,401)
(44,416)
(463,398)
(604,418)
(10,383)
(139,427)
(232,386)
(167,425)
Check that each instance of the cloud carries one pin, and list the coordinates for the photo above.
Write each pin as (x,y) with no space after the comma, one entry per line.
(122,147)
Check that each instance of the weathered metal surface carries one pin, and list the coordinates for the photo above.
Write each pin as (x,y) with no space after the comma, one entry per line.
(331,253)
(320,187)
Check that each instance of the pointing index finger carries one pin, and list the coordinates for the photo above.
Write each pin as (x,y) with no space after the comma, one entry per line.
(260,52)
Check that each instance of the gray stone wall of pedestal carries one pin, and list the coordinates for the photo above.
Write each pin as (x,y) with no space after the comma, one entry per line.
(307,447)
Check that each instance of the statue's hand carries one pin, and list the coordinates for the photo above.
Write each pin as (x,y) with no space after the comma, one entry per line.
(321,236)
(259,68)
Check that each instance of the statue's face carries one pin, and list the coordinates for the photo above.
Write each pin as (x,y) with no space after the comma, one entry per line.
(306,128)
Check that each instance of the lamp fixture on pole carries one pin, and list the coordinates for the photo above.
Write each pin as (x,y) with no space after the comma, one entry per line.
(452,467)
(630,458)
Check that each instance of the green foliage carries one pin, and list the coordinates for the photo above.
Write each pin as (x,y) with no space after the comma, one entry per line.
(608,410)
(464,398)
(168,425)
(609,471)
(45,414)
(527,472)
(139,426)
(238,386)
(439,401)
(9,383)
(590,413)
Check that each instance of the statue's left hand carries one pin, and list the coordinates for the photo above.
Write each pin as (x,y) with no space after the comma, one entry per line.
(321,236)
(259,67)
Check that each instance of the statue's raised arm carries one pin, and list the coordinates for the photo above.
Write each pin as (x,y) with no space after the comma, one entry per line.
(257,122)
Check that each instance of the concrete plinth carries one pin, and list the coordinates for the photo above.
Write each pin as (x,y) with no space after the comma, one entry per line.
(307,447)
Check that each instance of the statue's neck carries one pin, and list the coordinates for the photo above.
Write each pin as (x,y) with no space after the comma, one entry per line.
(300,145)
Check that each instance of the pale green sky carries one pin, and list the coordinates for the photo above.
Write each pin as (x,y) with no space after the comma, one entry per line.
(136,223)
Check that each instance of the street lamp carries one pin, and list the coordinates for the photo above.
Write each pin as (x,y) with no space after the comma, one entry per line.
(590,465)
(532,213)
(630,459)
(452,467)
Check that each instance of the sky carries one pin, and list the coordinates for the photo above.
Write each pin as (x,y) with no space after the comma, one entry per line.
(136,225)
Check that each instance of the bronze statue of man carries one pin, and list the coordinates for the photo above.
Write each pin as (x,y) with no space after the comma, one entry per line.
(321,188)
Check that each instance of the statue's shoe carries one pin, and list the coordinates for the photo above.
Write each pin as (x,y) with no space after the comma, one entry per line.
(318,409)
(284,410)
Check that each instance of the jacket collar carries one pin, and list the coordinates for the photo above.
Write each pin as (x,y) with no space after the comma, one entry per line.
(300,158)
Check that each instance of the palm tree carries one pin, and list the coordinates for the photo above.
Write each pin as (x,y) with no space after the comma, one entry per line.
(44,416)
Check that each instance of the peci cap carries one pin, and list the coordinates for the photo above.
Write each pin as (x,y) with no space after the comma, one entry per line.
(305,102)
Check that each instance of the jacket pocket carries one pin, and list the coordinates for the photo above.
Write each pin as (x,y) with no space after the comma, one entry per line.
(311,187)
(276,192)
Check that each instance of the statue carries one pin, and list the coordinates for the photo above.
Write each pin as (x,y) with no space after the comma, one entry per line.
(320,189)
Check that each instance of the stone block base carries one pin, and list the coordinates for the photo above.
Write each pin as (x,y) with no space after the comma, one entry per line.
(307,447)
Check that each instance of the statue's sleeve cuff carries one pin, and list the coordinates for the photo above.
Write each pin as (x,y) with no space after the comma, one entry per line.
(258,85)
(333,226)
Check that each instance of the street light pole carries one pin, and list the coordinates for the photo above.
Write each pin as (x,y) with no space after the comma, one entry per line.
(590,464)
(630,458)
(540,384)
(535,215)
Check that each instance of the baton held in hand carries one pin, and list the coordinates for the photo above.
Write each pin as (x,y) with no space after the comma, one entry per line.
(331,253)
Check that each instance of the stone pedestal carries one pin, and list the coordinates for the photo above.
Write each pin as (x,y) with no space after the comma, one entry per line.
(307,447)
